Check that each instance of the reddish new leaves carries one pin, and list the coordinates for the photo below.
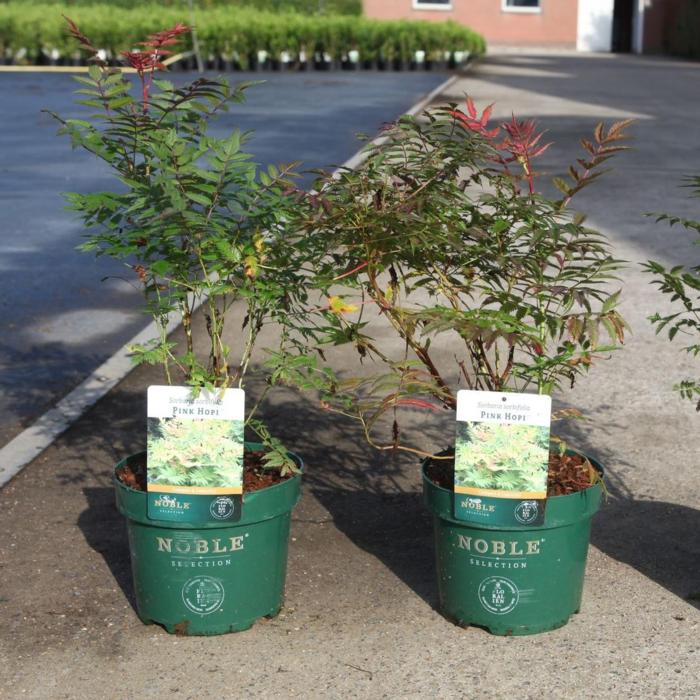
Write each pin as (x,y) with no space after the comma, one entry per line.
(521,142)
(605,145)
(474,122)
(150,59)
(84,42)
(167,37)
(144,61)
(417,403)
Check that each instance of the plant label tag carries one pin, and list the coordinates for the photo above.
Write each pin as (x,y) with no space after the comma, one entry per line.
(195,454)
(501,457)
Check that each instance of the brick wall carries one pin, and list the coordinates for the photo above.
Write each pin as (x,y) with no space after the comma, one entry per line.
(554,25)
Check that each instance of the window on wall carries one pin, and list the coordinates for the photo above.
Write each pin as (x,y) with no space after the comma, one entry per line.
(432,4)
(521,5)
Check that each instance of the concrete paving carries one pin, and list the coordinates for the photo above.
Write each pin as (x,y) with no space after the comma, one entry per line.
(360,619)
(59,319)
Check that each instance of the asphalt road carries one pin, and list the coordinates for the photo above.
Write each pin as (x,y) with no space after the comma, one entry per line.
(58,320)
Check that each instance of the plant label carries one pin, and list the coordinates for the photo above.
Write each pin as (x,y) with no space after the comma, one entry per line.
(501,457)
(195,454)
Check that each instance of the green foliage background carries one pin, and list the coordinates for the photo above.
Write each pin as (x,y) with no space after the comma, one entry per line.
(509,457)
(195,452)
(308,7)
(681,284)
(228,32)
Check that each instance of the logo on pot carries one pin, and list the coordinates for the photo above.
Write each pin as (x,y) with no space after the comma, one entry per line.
(476,504)
(222,508)
(498,595)
(526,512)
(203,594)
(166,501)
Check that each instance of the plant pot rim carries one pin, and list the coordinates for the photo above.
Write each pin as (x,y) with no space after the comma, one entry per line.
(262,504)
(597,465)
(254,445)
(560,510)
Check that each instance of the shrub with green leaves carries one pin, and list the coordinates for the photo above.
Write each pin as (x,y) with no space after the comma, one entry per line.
(192,217)
(443,234)
(510,457)
(682,284)
(195,452)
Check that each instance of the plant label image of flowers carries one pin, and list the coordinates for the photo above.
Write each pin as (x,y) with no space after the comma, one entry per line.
(195,454)
(501,457)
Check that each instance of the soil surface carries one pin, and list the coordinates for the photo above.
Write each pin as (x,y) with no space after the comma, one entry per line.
(567,474)
(255,476)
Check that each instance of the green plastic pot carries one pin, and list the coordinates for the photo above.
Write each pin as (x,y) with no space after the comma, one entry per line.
(212,578)
(517,580)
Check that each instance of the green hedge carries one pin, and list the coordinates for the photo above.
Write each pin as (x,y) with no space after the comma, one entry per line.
(307,7)
(30,32)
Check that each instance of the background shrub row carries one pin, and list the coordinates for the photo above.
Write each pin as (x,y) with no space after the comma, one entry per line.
(307,7)
(31,33)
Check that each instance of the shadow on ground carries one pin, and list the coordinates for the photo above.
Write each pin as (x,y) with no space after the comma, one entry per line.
(104,530)
(114,428)
(656,538)
(376,501)
(374,498)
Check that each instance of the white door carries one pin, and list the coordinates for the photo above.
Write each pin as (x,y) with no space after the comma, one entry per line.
(595,25)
